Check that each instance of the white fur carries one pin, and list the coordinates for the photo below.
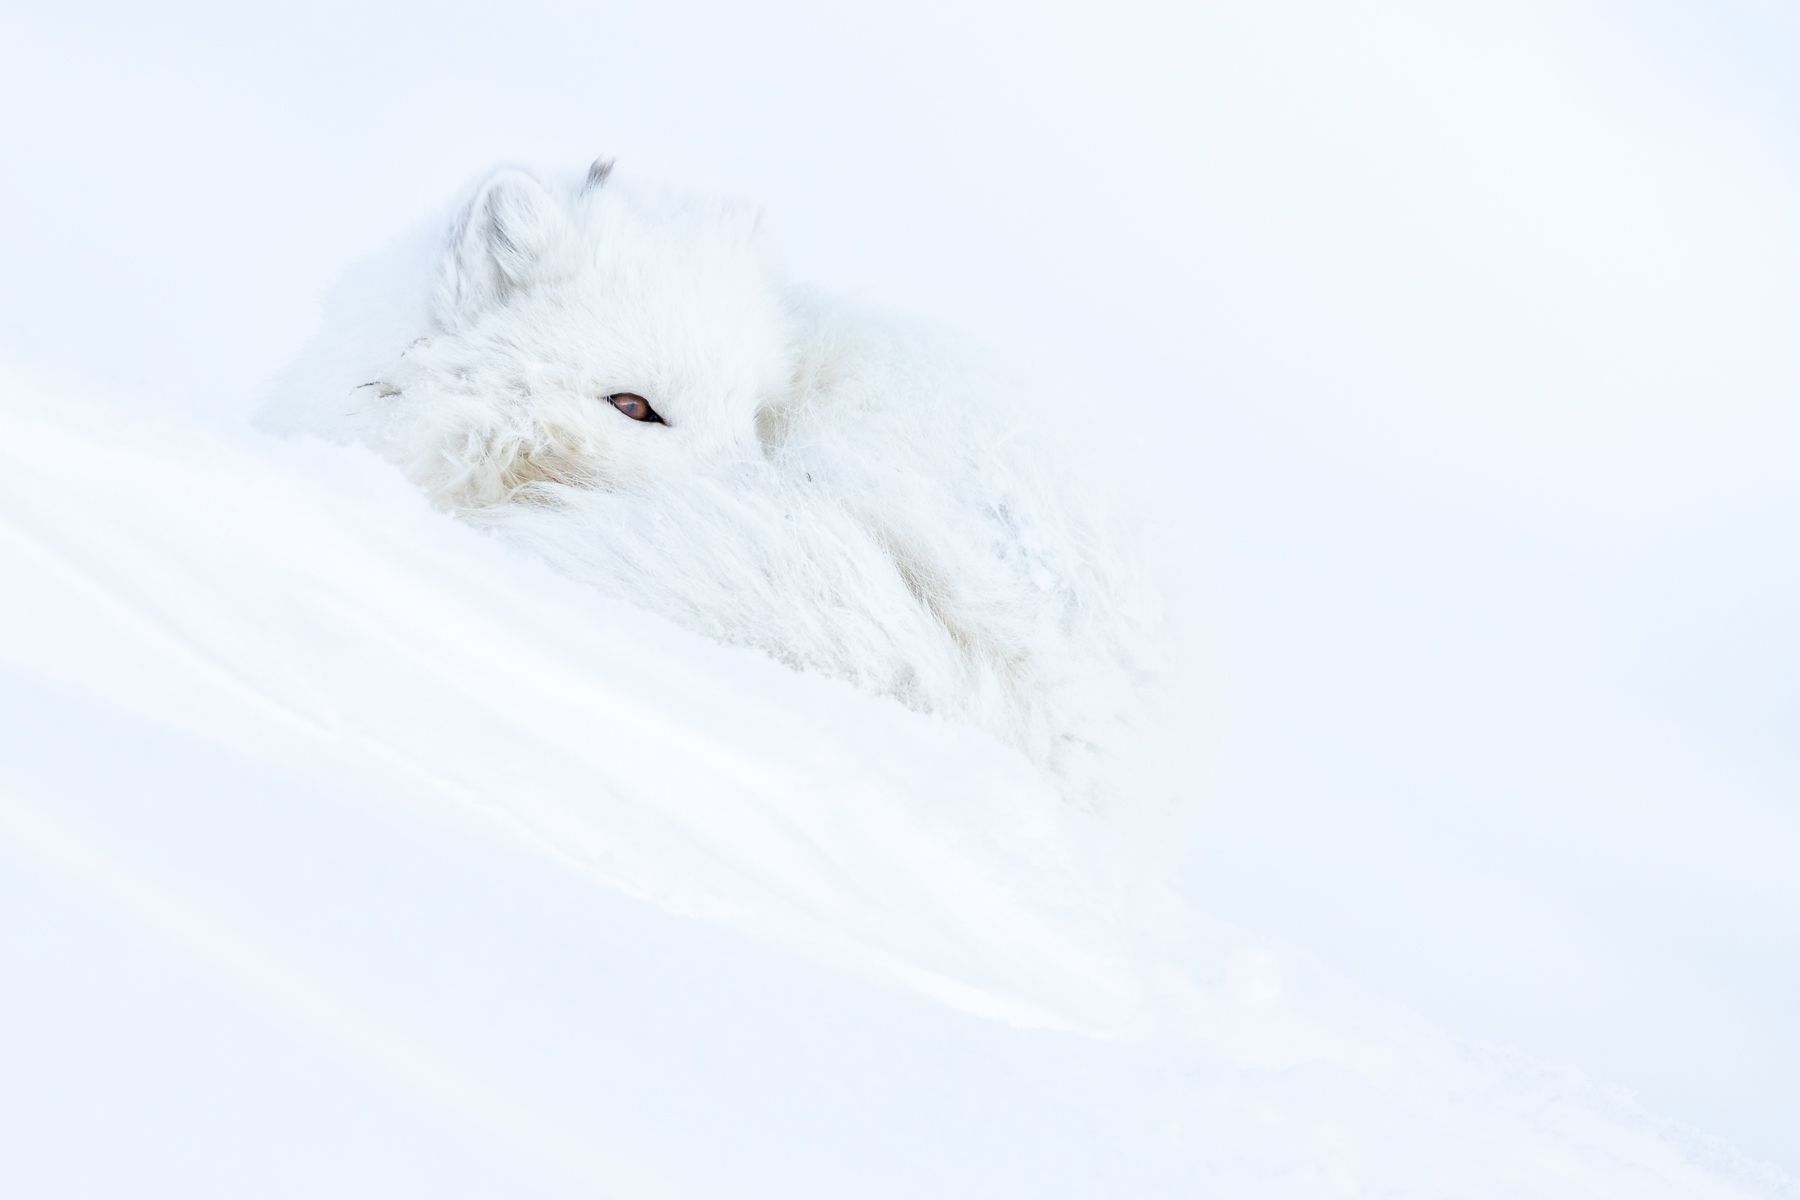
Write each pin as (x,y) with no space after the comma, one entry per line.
(830,488)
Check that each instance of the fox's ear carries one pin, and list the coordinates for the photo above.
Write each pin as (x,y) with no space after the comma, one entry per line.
(498,244)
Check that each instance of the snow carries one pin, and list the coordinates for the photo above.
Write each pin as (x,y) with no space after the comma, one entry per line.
(344,851)
(362,855)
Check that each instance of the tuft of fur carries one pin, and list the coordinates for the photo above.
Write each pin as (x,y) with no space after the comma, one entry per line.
(841,492)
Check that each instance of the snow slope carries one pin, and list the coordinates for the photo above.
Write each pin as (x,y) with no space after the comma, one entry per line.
(1455,348)
(344,851)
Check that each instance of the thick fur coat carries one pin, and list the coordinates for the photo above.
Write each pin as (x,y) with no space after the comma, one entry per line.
(834,489)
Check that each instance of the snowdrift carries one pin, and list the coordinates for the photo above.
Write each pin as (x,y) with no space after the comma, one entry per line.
(347,850)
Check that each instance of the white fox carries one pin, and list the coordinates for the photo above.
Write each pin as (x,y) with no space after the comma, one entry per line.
(619,379)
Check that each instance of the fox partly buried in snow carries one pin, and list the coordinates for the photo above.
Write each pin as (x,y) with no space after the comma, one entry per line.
(619,379)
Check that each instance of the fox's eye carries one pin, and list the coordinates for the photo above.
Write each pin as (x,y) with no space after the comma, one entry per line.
(635,407)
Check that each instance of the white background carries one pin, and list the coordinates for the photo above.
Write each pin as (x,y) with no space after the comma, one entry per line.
(1447,352)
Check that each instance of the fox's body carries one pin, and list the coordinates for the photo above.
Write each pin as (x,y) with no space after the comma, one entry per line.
(822,485)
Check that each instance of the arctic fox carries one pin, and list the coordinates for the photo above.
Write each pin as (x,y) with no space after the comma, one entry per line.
(619,379)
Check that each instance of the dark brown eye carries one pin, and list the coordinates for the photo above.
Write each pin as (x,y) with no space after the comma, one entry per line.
(635,407)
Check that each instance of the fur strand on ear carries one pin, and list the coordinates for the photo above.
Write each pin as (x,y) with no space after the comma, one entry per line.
(597,174)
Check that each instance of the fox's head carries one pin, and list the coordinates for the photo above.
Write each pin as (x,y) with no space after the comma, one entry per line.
(584,336)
